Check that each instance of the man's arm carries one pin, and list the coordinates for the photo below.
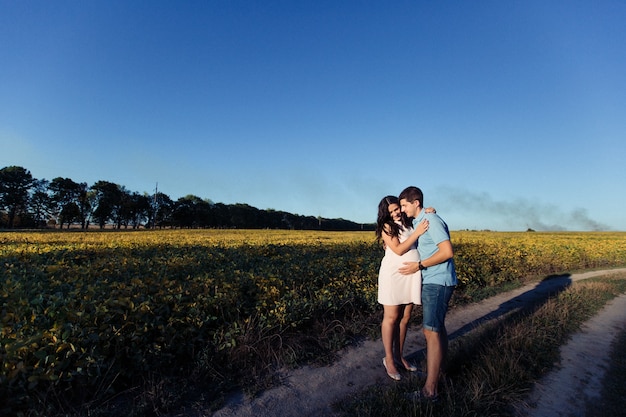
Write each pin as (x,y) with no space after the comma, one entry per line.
(443,254)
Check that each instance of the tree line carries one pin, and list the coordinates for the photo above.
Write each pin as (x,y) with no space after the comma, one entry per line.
(27,202)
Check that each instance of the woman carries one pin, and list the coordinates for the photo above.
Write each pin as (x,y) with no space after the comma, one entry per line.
(396,292)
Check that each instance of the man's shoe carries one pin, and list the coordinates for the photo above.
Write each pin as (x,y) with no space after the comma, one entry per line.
(419,396)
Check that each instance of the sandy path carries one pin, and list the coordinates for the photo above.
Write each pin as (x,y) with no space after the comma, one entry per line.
(584,361)
(311,391)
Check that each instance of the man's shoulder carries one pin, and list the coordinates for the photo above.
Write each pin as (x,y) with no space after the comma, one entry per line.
(437,226)
(434,217)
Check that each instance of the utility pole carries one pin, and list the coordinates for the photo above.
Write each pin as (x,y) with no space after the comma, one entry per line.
(156,206)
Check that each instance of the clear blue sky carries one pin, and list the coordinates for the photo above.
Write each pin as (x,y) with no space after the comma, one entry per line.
(508,114)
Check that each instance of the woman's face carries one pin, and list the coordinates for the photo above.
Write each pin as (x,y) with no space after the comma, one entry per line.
(394,212)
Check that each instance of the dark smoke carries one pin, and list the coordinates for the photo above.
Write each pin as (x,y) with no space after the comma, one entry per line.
(518,215)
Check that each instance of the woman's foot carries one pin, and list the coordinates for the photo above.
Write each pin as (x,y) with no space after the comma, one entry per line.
(406,365)
(393,375)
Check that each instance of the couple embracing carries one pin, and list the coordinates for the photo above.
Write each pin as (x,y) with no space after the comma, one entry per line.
(417,268)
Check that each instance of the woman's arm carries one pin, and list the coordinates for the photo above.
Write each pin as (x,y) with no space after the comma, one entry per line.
(401,248)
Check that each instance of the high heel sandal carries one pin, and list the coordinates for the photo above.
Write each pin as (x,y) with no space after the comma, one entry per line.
(396,376)
(410,368)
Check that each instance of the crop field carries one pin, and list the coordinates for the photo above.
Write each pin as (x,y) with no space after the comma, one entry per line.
(105,311)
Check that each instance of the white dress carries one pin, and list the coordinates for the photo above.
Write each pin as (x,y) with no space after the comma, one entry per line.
(393,287)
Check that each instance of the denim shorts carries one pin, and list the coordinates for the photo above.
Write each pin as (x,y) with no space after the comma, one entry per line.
(435,299)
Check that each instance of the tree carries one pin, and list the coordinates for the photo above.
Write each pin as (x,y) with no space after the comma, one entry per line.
(191,211)
(70,213)
(220,215)
(161,211)
(184,211)
(86,200)
(244,216)
(108,200)
(136,209)
(15,182)
(29,202)
(41,205)
(72,202)
(203,213)
(122,211)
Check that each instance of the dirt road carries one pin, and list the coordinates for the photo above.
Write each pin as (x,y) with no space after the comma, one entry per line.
(311,391)
(584,361)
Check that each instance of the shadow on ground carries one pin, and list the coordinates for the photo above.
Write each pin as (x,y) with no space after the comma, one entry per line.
(528,300)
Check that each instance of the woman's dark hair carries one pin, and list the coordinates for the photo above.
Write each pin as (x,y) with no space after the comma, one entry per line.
(384,219)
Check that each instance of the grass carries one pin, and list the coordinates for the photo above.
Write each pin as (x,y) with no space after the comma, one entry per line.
(489,368)
(496,365)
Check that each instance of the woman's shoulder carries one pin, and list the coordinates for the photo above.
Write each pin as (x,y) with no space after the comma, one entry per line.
(387,230)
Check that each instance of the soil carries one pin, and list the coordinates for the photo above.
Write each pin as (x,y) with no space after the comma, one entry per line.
(584,360)
(311,391)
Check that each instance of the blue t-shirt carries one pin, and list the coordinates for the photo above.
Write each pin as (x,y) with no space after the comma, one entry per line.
(443,273)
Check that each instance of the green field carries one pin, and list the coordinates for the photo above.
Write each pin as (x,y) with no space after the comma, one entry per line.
(108,311)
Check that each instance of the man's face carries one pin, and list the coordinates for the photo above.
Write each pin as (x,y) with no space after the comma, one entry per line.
(410,209)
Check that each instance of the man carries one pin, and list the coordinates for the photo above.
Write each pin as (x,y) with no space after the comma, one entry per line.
(438,283)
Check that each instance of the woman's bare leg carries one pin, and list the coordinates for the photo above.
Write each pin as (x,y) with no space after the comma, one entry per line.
(403,329)
(389,333)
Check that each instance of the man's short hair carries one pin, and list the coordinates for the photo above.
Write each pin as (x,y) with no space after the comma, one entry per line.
(411,194)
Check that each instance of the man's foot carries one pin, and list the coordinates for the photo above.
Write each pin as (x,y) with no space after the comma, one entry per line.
(421,396)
